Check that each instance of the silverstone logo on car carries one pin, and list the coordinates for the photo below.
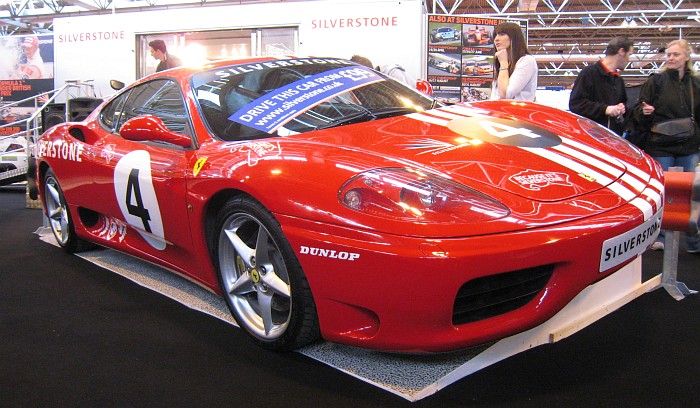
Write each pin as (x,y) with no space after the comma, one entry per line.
(111,227)
(328,253)
(60,149)
(537,180)
(255,150)
(629,244)
(274,109)
(108,152)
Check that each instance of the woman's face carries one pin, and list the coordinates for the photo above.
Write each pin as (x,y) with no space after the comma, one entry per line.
(676,57)
(502,41)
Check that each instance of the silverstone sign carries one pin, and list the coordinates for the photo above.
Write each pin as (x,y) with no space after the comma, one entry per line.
(274,109)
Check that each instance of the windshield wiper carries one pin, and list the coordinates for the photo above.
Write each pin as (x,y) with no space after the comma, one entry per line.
(363,116)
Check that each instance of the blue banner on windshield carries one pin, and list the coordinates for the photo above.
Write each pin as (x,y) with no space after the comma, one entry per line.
(275,108)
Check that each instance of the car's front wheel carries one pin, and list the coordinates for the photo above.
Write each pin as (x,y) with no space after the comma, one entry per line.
(263,283)
(60,219)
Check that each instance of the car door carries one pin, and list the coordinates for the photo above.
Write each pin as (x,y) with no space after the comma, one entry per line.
(142,183)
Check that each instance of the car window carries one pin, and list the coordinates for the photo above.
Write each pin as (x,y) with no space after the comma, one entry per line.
(111,113)
(259,100)
(161,98)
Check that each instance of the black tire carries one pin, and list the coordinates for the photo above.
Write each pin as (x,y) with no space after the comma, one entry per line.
(261,279)
(60,219)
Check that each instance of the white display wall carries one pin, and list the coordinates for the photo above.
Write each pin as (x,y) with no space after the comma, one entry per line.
(104,47)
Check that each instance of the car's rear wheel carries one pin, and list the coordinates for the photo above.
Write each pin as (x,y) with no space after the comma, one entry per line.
(59,216)
(263,283)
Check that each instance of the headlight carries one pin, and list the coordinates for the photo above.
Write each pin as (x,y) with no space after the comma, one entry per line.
(409,195)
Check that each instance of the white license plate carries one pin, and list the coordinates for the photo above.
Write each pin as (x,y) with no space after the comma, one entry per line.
(627,245)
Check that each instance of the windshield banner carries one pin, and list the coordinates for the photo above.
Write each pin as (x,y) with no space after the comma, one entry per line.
(272,110)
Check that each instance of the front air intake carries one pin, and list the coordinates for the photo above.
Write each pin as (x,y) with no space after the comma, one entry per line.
(494,295)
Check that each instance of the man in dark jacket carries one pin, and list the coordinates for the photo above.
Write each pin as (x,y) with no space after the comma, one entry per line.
(160,52)
(599,91)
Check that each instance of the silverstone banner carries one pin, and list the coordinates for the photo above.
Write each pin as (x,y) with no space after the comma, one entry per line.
(274,109)
(460,56)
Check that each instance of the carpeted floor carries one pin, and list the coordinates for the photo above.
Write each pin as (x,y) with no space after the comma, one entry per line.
(73,334)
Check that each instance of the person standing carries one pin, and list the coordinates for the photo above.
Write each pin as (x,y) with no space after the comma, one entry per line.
(599,90)
(673,93)
(515,76)
(359,59)
(160,52)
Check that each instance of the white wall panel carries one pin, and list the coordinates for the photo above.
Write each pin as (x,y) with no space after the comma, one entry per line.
(103,47)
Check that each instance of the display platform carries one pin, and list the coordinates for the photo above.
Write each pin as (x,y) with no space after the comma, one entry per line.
(411,377)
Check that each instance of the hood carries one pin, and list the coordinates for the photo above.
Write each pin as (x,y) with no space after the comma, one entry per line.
(532,151)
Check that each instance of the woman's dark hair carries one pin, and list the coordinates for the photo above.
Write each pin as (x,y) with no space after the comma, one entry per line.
(518,45)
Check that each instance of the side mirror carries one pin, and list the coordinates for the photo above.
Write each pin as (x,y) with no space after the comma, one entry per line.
(150,128)
(116,85)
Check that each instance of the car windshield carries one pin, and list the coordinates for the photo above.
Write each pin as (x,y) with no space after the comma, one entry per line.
(290,96)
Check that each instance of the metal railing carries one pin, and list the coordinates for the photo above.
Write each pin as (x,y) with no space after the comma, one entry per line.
(31,127)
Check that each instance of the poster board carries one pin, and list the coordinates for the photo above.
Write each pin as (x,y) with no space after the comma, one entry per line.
(460,56)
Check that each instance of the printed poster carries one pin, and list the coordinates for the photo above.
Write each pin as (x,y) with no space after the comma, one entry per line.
(461,56)
(26,70)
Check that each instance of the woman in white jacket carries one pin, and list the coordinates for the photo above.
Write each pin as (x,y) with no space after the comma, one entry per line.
(515,76)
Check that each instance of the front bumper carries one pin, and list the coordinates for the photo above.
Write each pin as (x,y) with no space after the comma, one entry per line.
(399,293)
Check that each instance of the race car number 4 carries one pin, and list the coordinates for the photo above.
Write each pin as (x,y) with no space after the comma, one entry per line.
(627,245)
(133,186)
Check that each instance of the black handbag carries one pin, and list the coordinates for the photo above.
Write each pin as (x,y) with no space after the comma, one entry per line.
(674,132)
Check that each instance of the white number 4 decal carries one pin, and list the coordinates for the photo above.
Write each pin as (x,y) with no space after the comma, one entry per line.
(503,131)
(133,186)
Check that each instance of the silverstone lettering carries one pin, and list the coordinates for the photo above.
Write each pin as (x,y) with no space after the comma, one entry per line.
(440,18)
(61,149)
(91,36)
(642,238)
(357,22)
(277,64)
(328,253)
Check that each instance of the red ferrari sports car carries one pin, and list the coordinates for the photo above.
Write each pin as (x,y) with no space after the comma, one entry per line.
(322,199)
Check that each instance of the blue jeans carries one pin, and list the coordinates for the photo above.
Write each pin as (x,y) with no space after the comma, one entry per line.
(689,163)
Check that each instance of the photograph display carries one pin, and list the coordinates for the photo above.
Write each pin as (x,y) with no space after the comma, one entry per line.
(26,70)
(26,66)
(461,56)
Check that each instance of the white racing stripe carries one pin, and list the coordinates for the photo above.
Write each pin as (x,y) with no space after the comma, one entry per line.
(637,185)
(445,114)
(427,118)
(604,168)
(619,189)
(635,177)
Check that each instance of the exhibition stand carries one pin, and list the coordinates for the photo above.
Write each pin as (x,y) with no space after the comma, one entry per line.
(412,377)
